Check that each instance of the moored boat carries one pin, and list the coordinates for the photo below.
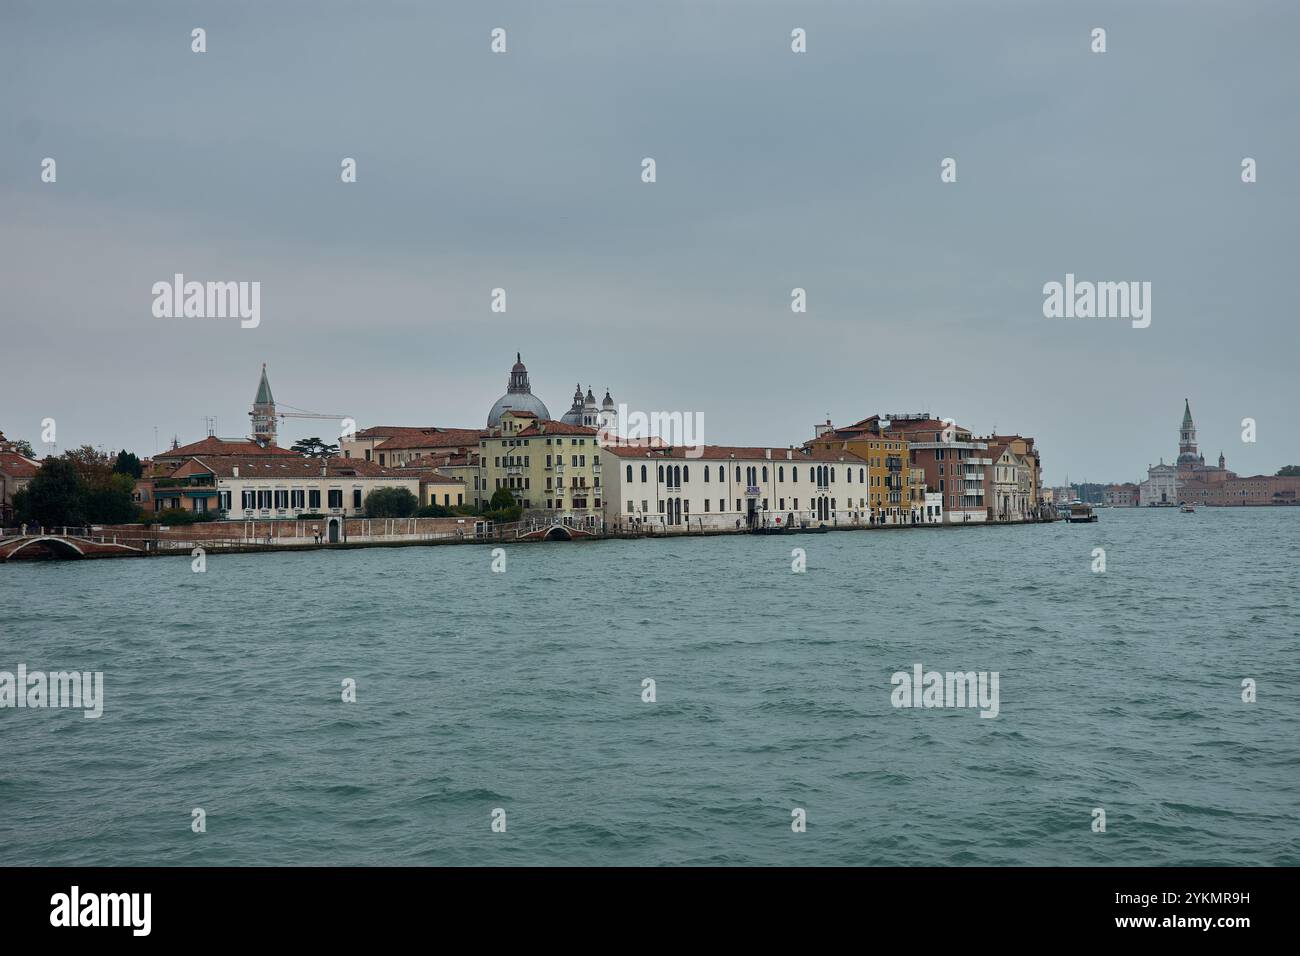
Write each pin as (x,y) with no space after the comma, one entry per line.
(1080,514)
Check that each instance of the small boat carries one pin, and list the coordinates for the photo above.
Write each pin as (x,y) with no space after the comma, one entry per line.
(1080,514)
(1186,508)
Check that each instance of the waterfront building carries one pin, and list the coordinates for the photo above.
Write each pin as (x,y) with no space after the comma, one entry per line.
(16,470)
(1161,487)
(1242,492)
(1122,496)
(916,482)
(890,495)
(265,486)
(729,487)
(552,468)
(933,508)
(1012,479)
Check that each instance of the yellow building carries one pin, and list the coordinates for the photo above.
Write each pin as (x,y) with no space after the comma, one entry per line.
(552,468)
(892,497)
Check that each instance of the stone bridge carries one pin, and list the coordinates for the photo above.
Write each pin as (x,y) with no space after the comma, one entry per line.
(63,546)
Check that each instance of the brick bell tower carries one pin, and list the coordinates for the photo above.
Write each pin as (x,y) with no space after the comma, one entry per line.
(263,413)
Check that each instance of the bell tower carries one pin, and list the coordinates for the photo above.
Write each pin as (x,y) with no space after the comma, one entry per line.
(263,413)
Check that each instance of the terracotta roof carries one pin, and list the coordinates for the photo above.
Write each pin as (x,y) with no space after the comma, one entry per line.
(443,438)
(221,446)
(391,431)
(728,452)
(546,426)
(224,467)
(18,466)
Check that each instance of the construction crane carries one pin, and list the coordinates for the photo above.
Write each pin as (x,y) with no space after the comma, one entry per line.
(301,413)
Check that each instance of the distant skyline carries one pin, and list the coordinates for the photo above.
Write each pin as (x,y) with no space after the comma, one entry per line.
(775,170)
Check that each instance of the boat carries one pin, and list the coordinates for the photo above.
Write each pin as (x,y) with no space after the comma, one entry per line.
(1186,508)
(1080,514)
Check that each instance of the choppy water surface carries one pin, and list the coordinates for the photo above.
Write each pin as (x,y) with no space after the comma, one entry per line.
(522,691)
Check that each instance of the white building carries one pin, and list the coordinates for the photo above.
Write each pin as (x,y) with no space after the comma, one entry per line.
(727,487)
(1161,486)
(933,508)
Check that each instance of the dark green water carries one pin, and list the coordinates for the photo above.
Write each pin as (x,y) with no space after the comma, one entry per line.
(522,691)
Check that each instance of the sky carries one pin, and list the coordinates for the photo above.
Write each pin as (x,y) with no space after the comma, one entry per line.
(774,170)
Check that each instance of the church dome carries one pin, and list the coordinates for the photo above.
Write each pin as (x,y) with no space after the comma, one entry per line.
(518,397)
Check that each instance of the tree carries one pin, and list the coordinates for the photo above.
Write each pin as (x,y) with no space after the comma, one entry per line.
(1289,471)
(504,506)
(128,464)
(23,447)
(502,498)
(390,503)
(110,501)
(55,496)
(91,464)
(434,511)
(315,448)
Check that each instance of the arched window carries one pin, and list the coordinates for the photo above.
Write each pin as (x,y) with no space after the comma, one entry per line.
(629,472)
(848,475)
(643,478)
(706,474)
(765,472)
(832,474)
(721,475)
(780,473)
(737,474)
(686,472)
(859,476)
(677,476)
(794,472)
(661,472)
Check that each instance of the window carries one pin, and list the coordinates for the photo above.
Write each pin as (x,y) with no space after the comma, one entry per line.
(264,499)
(313,498)
(223,500)
(643,473)
(661,472)
(356,497)
(765,473)
(629,477)
(336,497)
(722,504)
(686,473)
(706,500)
(794,475)
(630,507)
(706,476)
(248,498)
(720,474)
(737,500)
(780,476)
(282,499)
(737,477)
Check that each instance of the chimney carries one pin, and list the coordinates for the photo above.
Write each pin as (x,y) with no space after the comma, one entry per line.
(235,469)
(768,454)
(323,469)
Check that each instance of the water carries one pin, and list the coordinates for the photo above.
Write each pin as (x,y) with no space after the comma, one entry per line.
(522,691)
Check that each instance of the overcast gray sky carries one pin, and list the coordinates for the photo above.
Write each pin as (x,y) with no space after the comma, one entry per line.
(775,170)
